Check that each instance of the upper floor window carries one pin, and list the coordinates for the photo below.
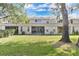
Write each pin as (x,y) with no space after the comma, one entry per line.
(60,21)
(71,21)
(35,20)
(47,22)
(47,30)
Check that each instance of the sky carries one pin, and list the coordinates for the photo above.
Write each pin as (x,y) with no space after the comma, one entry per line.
(39,9)
(42,9)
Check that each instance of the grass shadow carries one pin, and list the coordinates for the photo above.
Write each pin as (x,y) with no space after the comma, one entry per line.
(58,44)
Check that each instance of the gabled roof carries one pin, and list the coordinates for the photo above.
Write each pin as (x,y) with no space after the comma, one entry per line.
(41,17)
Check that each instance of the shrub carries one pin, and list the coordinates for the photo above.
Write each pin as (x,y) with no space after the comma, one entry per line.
(76,32)
(7,32)
(1,33)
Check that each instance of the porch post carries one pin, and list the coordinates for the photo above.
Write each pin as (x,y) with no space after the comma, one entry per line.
(19,30)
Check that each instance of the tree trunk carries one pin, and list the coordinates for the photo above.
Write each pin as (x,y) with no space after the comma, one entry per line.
(77,44)
(65,35)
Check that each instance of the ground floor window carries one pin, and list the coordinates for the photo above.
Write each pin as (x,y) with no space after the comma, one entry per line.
(60,29)
(38,30)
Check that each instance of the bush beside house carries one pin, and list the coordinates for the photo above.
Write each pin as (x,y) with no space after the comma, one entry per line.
(7,32)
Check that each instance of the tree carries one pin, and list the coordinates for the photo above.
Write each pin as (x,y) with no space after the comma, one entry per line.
(14,12)
(59,10)
(65,36)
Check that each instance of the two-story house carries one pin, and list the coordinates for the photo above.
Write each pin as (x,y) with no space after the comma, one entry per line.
(41,25)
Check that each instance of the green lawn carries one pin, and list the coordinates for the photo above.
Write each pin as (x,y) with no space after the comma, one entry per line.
(31,45)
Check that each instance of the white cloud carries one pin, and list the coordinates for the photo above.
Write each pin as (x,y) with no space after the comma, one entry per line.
(30,5)
(52,5)
(73,15)
(42,5)
(41,10)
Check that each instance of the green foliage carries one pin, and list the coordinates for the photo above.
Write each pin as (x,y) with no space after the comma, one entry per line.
(15,12)
(75,32)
